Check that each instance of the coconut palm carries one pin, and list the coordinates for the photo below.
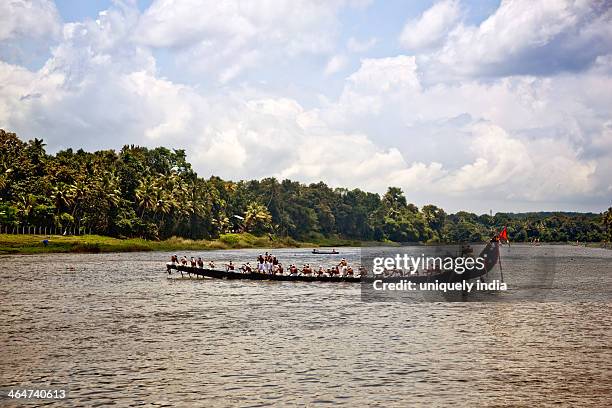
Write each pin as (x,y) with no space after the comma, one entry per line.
(62,196)
(24,205)
(257,218)
(146,194)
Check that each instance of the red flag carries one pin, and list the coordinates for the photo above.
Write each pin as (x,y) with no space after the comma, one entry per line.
(503,236)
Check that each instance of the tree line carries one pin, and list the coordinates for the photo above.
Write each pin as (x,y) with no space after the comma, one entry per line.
(155,194)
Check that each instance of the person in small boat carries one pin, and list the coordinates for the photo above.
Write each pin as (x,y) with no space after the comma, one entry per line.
(229,266)
(200,263)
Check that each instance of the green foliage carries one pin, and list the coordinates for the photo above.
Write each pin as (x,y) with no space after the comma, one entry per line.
(154,194)
(607,224)
(230,239)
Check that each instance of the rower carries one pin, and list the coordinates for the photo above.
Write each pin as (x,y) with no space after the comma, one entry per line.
(193,262)
(306,270)
(174,259)
(267,264)
(200,263)
(349,271)
(184,260)
(211,265)
(260,263)
(321,271)
(229,266)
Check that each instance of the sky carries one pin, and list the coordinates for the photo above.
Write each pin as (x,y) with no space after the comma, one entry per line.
(468,105)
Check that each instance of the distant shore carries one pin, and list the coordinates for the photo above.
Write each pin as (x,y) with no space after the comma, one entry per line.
(33,244)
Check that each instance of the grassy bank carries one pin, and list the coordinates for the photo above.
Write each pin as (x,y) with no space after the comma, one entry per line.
(32,244)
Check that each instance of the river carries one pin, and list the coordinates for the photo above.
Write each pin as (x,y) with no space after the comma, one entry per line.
(113,329)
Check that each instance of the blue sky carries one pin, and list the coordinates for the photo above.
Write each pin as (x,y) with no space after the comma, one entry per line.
(471,105)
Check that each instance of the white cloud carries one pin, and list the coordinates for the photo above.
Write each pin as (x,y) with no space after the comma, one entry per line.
(522,138)
(28,18)
(226,38)
(527,170)
(27,29)
(433,25)
(335,64)
(524,37)
(357,46)
(386,73)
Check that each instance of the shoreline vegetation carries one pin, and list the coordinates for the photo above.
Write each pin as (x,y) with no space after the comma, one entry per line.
(12,244)
(151,198)
(33,244)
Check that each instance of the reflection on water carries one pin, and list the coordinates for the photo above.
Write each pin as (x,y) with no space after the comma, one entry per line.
(115,330)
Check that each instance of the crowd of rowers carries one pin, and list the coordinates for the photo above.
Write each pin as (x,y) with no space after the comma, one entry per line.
(269,264)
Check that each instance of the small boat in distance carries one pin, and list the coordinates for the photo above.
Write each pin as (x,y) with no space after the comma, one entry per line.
(332,252)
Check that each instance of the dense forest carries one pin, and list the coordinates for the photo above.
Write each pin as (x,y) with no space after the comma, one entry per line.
(155,194)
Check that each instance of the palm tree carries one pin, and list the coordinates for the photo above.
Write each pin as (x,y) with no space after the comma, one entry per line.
(257,218)
(109,186)
(146,194)
(62,196)
(24,205)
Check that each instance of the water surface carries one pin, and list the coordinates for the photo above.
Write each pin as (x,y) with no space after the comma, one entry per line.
(115,330)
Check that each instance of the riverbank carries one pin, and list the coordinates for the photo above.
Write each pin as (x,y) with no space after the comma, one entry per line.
(33,244)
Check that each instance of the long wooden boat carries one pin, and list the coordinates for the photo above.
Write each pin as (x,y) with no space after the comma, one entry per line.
(220,274)
(490,253)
